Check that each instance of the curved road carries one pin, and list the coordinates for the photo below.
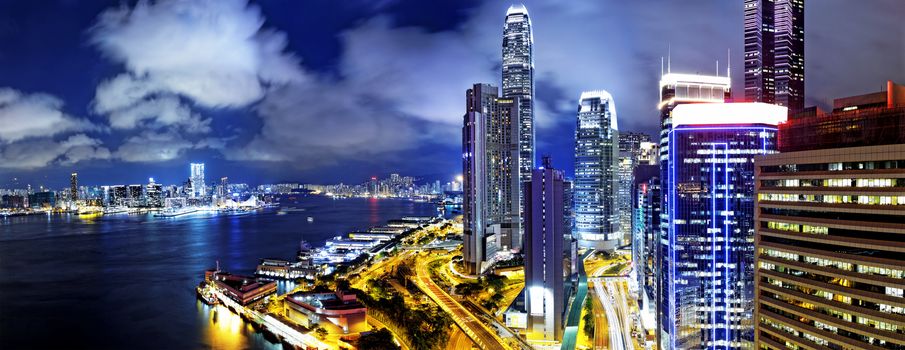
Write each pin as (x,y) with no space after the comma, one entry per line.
(471,325)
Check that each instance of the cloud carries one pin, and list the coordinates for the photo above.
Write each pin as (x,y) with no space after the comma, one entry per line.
(25,116)
(38,153)
(214,52)
(152,146)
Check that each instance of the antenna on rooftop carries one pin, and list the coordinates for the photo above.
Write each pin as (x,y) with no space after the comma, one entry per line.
(669,58)
(728,62)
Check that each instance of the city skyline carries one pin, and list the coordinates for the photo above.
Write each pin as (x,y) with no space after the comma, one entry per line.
(83,37)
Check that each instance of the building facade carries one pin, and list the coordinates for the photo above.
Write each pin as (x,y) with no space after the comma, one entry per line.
(830,223)
(491,203)
(518,80)
(544,232)
(708,261)
(678,89)
(596,166)
(199,188)
(774,52)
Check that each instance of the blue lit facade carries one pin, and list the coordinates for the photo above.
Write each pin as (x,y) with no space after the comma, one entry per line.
(596,164)
(708,265)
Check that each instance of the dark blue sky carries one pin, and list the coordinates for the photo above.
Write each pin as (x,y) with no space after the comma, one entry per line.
(329,91)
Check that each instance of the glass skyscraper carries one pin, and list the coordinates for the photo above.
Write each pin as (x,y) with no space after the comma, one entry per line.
(490,170)
(774,52)
(596,165)
(708,264)
(199,189)
(518,80)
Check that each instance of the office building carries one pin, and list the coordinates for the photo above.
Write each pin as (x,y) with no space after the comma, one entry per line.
(544,232)
(596,165)
(74,187)
(337,312)
(645,241)
(518,81)
(774,52)
(830,225)
(678,89)
(196,178)
(709,256)
(630,153)
(491,203)
(42,200)
(154,192)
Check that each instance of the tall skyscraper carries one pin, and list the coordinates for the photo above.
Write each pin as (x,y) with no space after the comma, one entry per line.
(629,158)
(490,153)
(646,241)
(596,164)
(774,52)
(545,227)
(677,89)
(830,224)
(74,187)
(154,192)
(518,80)
(709,259)
(199,188)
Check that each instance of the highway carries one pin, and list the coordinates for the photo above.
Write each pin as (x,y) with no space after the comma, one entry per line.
(601,327)
(483,337)
(611,293)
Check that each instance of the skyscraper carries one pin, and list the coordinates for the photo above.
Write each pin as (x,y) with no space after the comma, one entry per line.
(774,52)
(490,170)
(518,80)
(154,192)
(677,89)
(545,228)
(199,189)
(708,269)
(829,244)
(629,158)
(74,187)
(596,164)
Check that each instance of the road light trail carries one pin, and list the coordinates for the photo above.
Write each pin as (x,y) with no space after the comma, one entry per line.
(468,322)
(615,328)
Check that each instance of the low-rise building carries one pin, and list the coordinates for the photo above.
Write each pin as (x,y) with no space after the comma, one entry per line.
(244,290)
(338,312)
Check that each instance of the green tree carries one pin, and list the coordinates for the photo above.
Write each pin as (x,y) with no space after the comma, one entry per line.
(380,339)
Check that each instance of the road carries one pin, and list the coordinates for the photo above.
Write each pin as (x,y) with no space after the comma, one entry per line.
(601,337)
(617,340)
(468,322)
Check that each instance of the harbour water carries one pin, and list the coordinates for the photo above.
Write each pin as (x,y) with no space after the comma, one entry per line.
(127,281)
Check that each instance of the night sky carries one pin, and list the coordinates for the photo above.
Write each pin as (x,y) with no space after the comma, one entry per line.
(330,91)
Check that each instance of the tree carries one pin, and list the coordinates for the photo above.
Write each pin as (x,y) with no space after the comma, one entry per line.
(380,339)
(320,332)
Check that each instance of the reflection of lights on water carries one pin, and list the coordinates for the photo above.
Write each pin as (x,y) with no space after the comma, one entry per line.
(225,330)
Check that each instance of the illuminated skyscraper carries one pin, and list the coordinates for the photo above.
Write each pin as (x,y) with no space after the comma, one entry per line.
(774,52)
(154,193)
(74,187)
(545,228)
(490,170)
(709,259)
(629,158)
(677,89)
(199,189)
(596,164)
(518,80)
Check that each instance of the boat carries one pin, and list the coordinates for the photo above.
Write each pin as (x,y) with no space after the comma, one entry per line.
(287,210)
(206,297)
(310,219)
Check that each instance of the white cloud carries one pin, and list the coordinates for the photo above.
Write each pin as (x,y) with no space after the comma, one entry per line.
(152,146)
(25,116)
(37,153)
(211,51)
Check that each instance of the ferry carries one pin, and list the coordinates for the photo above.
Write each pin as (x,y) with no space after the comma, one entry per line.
(206,296)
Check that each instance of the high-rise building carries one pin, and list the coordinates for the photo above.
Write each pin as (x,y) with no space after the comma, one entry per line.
(708,261)
(74,187)
(630,153)
(774,52)
(544,231)
(596,166)
(677,89)
(135,194)
(199,188)
(154,192)
(829,244)
(518,81)
(645,241)
(491,203)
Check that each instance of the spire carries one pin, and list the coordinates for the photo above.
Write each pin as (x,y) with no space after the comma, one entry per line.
(669,58)
(661,66)
(728,62)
